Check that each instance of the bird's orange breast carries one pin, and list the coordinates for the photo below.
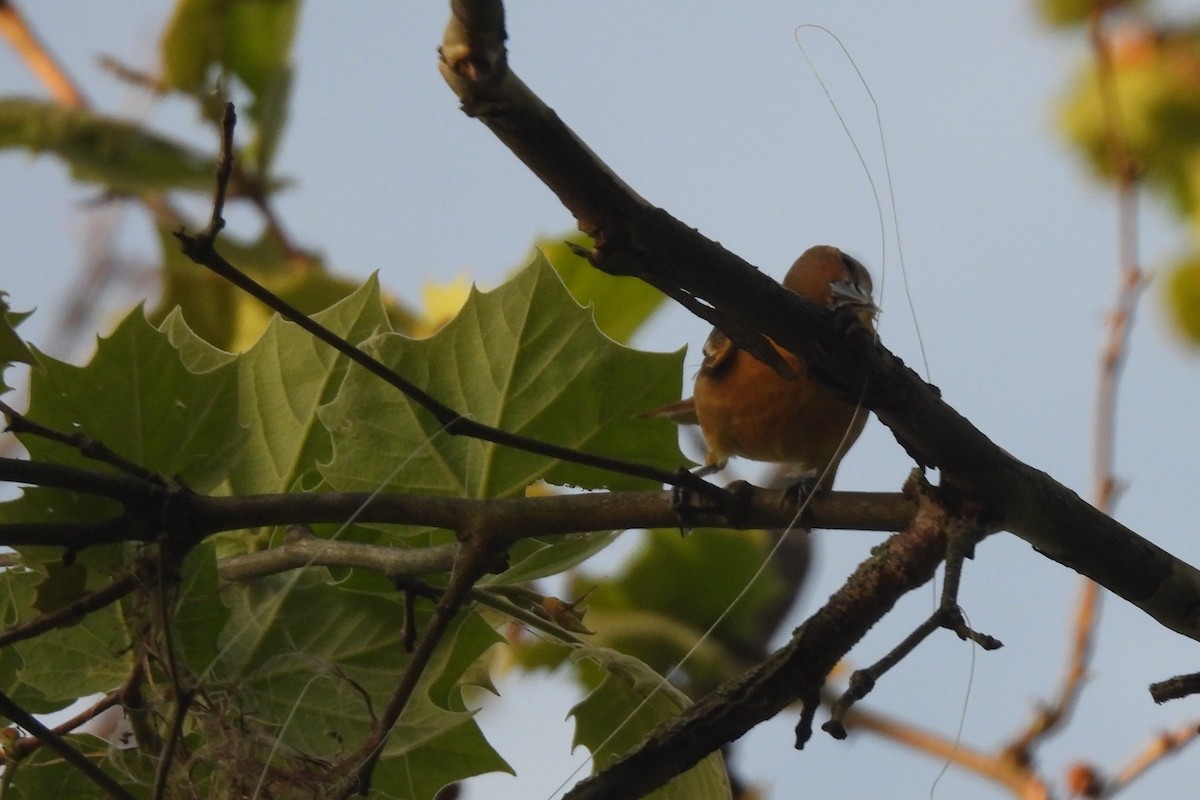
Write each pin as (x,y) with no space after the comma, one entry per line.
(747,409)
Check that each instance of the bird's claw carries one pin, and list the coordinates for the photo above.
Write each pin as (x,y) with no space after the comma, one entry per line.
(683,499)
(798,493)
(682,503)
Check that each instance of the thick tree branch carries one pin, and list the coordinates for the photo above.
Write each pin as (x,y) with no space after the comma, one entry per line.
(150,510)
(122,488)
(634,238)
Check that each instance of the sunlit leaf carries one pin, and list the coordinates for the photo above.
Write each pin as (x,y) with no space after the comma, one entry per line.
(622,305)
(138,398)
(229,318)
(285,378)
(524,359)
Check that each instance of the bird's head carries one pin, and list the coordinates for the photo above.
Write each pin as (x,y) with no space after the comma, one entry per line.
(826,275)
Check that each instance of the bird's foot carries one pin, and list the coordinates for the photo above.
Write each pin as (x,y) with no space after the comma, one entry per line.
(806,486)
(688,506)
(683,503)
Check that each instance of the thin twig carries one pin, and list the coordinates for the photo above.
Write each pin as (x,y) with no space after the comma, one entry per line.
(70,614)
(1114,351)
(216,221)
(1002,768)
(961,538)
(26,745)
(1163,745)
(18,423)
(172,742)
(1131,278)
(22,747)
(476,558)
(166,582)
(132,75)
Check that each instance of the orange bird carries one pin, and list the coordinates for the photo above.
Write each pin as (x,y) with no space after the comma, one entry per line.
(746,408)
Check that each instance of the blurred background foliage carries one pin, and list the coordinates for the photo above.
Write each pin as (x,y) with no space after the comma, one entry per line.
(1150,62)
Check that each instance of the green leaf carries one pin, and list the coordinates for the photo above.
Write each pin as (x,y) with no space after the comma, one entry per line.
(12,348)
(194,40)
(45,774)
(119,155)
(154,411)
(271,114)
(413,768)
(535,558)
(196,354)
(414,763)
(694,579)
(92,656)
(523,358)
(311,661)
(260,35)
(250,39)
(626,706)
(137,397)
(18,588)
(63,585)
(200,616)
(622,305)
(285,378)
(659,608)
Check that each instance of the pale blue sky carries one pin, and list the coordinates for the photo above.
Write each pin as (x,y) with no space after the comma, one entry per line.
(710,111)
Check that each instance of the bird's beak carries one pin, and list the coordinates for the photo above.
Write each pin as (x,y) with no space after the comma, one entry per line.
(850,294)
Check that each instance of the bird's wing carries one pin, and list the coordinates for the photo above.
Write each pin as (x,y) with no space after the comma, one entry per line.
(718,349)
